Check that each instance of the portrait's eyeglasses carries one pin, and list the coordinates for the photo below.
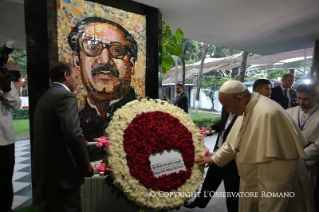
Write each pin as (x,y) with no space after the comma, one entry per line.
(93,48)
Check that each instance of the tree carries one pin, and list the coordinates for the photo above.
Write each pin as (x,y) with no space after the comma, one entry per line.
(211,84)
(243,67)
(204,47)
(183,60)
(192,53)
(170,46)
(20,60)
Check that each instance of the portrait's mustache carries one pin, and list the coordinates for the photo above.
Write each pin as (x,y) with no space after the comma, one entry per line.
(106,67)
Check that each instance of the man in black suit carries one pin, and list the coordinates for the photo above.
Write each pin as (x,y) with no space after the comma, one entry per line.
(59,158)
(283,94)
(215,174)
(181,98)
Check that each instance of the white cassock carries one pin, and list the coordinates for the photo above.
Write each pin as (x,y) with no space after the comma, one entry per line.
(310,130)
(268,147)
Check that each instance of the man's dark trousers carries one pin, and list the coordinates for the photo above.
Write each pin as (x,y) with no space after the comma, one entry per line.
(215,175)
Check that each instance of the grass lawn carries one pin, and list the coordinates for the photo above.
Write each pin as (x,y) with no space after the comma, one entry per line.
(21,128)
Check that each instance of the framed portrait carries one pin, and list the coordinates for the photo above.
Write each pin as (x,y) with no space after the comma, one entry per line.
(114,45)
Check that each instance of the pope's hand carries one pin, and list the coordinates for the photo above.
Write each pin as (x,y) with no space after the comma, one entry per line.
(206,161)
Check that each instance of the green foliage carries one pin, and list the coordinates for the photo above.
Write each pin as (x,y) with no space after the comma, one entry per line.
(218,52)
(276,73)
(211,84)
(204,119)
(167,61)
(20,114)
(170,46)
(21,128)
(179,35)
(20,59)
(270,74)
(193,52)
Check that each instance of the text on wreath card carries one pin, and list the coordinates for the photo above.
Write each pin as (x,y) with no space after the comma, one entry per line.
(167,162)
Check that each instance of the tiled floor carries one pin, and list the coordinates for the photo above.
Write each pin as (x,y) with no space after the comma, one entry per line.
(22,176)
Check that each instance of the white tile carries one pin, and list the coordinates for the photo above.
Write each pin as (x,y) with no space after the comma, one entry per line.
(21,159)
(21,149)
(20,154)
(23,142)
(18,200)
(17,186)
(18,175)
(18,166)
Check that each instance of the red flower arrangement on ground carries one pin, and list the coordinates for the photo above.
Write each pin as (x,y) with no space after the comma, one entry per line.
(154,132)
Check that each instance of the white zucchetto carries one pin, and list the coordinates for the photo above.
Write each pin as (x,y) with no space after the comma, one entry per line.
(232,87)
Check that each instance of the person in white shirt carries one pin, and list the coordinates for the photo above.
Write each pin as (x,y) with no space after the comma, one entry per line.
(9,99)
(306,115)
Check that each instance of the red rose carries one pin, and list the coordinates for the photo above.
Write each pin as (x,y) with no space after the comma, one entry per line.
(153,132)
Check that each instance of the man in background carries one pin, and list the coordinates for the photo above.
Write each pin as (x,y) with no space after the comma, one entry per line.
(9,99)
(306,115)
(181,100)
(283,94)
(59,159)
(263,87)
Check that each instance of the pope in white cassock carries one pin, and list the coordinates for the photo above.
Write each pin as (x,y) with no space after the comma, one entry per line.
(268,148)
(306,115)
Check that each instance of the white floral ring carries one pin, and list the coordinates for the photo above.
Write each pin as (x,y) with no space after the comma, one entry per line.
(130,185)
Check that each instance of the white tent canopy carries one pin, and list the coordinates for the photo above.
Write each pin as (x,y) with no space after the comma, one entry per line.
(286,60)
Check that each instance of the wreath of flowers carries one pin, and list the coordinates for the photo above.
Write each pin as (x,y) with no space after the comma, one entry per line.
(143,127)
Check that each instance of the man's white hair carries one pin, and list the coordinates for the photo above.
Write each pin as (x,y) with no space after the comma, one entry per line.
(232,87)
